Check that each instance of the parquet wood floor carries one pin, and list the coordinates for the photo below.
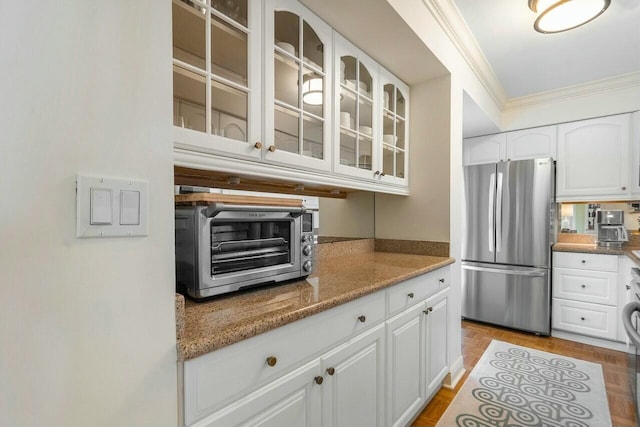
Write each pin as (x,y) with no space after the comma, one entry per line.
(476,338)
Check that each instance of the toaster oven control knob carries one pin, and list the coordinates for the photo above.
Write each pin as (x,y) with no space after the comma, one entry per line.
(304,238)
(306,250)
(306,266)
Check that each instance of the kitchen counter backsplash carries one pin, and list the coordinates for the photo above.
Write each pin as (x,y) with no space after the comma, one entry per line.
(587,239)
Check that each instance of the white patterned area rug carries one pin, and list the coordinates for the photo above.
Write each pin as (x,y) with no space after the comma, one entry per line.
(518,386)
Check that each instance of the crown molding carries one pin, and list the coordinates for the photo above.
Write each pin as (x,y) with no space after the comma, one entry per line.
(610,84)
(450,20)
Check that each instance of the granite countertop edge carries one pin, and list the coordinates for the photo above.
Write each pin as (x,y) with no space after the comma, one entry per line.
(191,348)
(592,248)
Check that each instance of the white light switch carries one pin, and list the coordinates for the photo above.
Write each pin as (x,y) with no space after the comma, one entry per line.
(111,207)
(101,209)
(129,207)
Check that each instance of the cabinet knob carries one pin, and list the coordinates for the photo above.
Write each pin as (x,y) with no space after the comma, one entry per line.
(331,371)
(258,145)
(582,318)
(271,361)
(425,311)
(376,173)
(362,319)
(624,188)
(382,174)
(272,148)
(410,295)
(318,379)
(583,261)
(583,286)
(441,280)
(628,287)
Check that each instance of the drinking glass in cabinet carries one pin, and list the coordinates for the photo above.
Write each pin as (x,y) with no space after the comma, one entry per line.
(312,48)
(287,129)
(400,104)
(189,33)
(189,94)
(234,9)
(287,32)
(312,137)
(228,111)
(228,51)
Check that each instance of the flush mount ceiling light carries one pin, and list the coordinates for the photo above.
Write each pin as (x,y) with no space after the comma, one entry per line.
(557,16)
(312,91)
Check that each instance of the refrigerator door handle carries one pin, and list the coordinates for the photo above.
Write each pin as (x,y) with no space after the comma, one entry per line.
(515,272)
(499,214)
(492,190)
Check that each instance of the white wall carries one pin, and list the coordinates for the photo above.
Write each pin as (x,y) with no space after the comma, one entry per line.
(350,217)
(87,325)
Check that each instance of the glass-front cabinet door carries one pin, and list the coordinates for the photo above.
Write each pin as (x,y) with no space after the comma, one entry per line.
(297,64)
(394,149)
(216,76)
(356,102)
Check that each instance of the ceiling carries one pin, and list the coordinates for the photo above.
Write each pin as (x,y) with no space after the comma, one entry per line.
(527,62)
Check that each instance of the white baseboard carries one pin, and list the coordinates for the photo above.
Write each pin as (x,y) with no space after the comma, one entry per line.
(596,342)
(455,374)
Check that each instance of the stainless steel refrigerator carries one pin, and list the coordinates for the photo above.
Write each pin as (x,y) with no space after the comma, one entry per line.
(506,249)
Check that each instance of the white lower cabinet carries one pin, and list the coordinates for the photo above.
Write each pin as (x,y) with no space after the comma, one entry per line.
(351,366)
(353,387)
(417,357)
(293,400)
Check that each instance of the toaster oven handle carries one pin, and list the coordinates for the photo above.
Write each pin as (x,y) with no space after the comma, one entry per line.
(215,208)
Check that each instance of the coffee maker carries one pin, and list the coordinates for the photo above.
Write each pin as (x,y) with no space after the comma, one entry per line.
(610,226)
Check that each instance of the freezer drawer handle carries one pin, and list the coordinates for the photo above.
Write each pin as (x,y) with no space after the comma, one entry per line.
(501,271)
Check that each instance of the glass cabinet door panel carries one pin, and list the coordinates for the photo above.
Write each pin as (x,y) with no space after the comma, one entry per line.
(365,112)
(389,97)
(387,159)
(347,109)
(400,133)
(399,164)
(312,137)
(286,79)
(347,69)
(189,95)
(313,92)
(348,149)
(287,129)
(228,51)
(228,112)
(189,33)
(366,81)
(234,9)
(364,153)
(400,104)
(287,32)
(312,48)
(388,127)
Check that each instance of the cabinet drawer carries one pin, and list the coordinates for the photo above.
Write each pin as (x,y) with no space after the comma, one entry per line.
(219,377)
(416,289)
(598,287)
(585,318)
(586,261)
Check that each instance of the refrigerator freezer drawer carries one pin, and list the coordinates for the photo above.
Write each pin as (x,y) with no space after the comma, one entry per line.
(518,298)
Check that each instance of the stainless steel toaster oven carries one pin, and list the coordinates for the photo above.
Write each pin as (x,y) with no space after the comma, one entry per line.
(224,248)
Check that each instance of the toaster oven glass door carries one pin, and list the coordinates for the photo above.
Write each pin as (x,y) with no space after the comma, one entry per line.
(247,244)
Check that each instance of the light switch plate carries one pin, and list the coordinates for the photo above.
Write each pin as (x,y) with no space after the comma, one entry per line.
(125,220)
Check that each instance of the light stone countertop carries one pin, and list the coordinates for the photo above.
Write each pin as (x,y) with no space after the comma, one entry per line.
(229,319)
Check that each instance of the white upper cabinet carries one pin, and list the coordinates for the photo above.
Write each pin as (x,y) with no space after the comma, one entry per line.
(216,76)
(635,150)
(517,145)
(593,159)
(532,143)
(297,67)
(485,149)
(356,102)
(393,165)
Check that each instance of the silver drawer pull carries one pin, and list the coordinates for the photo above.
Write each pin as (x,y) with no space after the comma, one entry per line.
(582,318)
(583,286)
(362,319)
(583,261)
